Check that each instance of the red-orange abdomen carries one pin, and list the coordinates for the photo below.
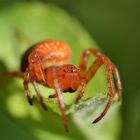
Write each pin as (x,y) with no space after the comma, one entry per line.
(51,53)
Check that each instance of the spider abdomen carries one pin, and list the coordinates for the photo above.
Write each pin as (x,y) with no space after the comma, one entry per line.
(49,52)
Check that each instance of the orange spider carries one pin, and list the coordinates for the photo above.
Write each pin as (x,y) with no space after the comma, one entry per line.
(46,63)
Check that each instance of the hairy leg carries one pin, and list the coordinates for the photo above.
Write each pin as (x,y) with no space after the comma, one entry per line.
(118,82)
(40,99)
(36,74)
(111,93)
(60,100)
(81,90)
(36,68)
(84,73)
(84,59)
(14,74)
(110,69)
(25,84)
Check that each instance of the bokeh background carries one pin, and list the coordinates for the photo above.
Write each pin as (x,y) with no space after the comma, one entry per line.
(115,25)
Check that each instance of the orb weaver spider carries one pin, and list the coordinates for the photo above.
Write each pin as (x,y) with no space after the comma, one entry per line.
(46,63)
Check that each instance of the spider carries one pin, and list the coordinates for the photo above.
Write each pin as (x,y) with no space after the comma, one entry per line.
(46,63)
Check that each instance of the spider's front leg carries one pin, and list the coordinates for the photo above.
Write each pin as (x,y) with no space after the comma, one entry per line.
(40,99)
(60,101)
(14,74)
(36,74)
(81,90)
(110,70)
(117,77)
(25,84)
(29,77)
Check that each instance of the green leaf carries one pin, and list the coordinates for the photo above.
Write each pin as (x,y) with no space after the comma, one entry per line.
(22,25)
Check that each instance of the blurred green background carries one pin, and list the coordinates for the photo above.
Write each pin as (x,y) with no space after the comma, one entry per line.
(115,25)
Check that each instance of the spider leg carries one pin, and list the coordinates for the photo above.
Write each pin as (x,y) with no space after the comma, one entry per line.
(83,71)
(60,100)
(93,69)
(110,69)
(40,99)
(88,74)
(81,92)
(15,74)
(36,71)
(111,93)
(118,81)
(25,83)
(37,67)
(84,59)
